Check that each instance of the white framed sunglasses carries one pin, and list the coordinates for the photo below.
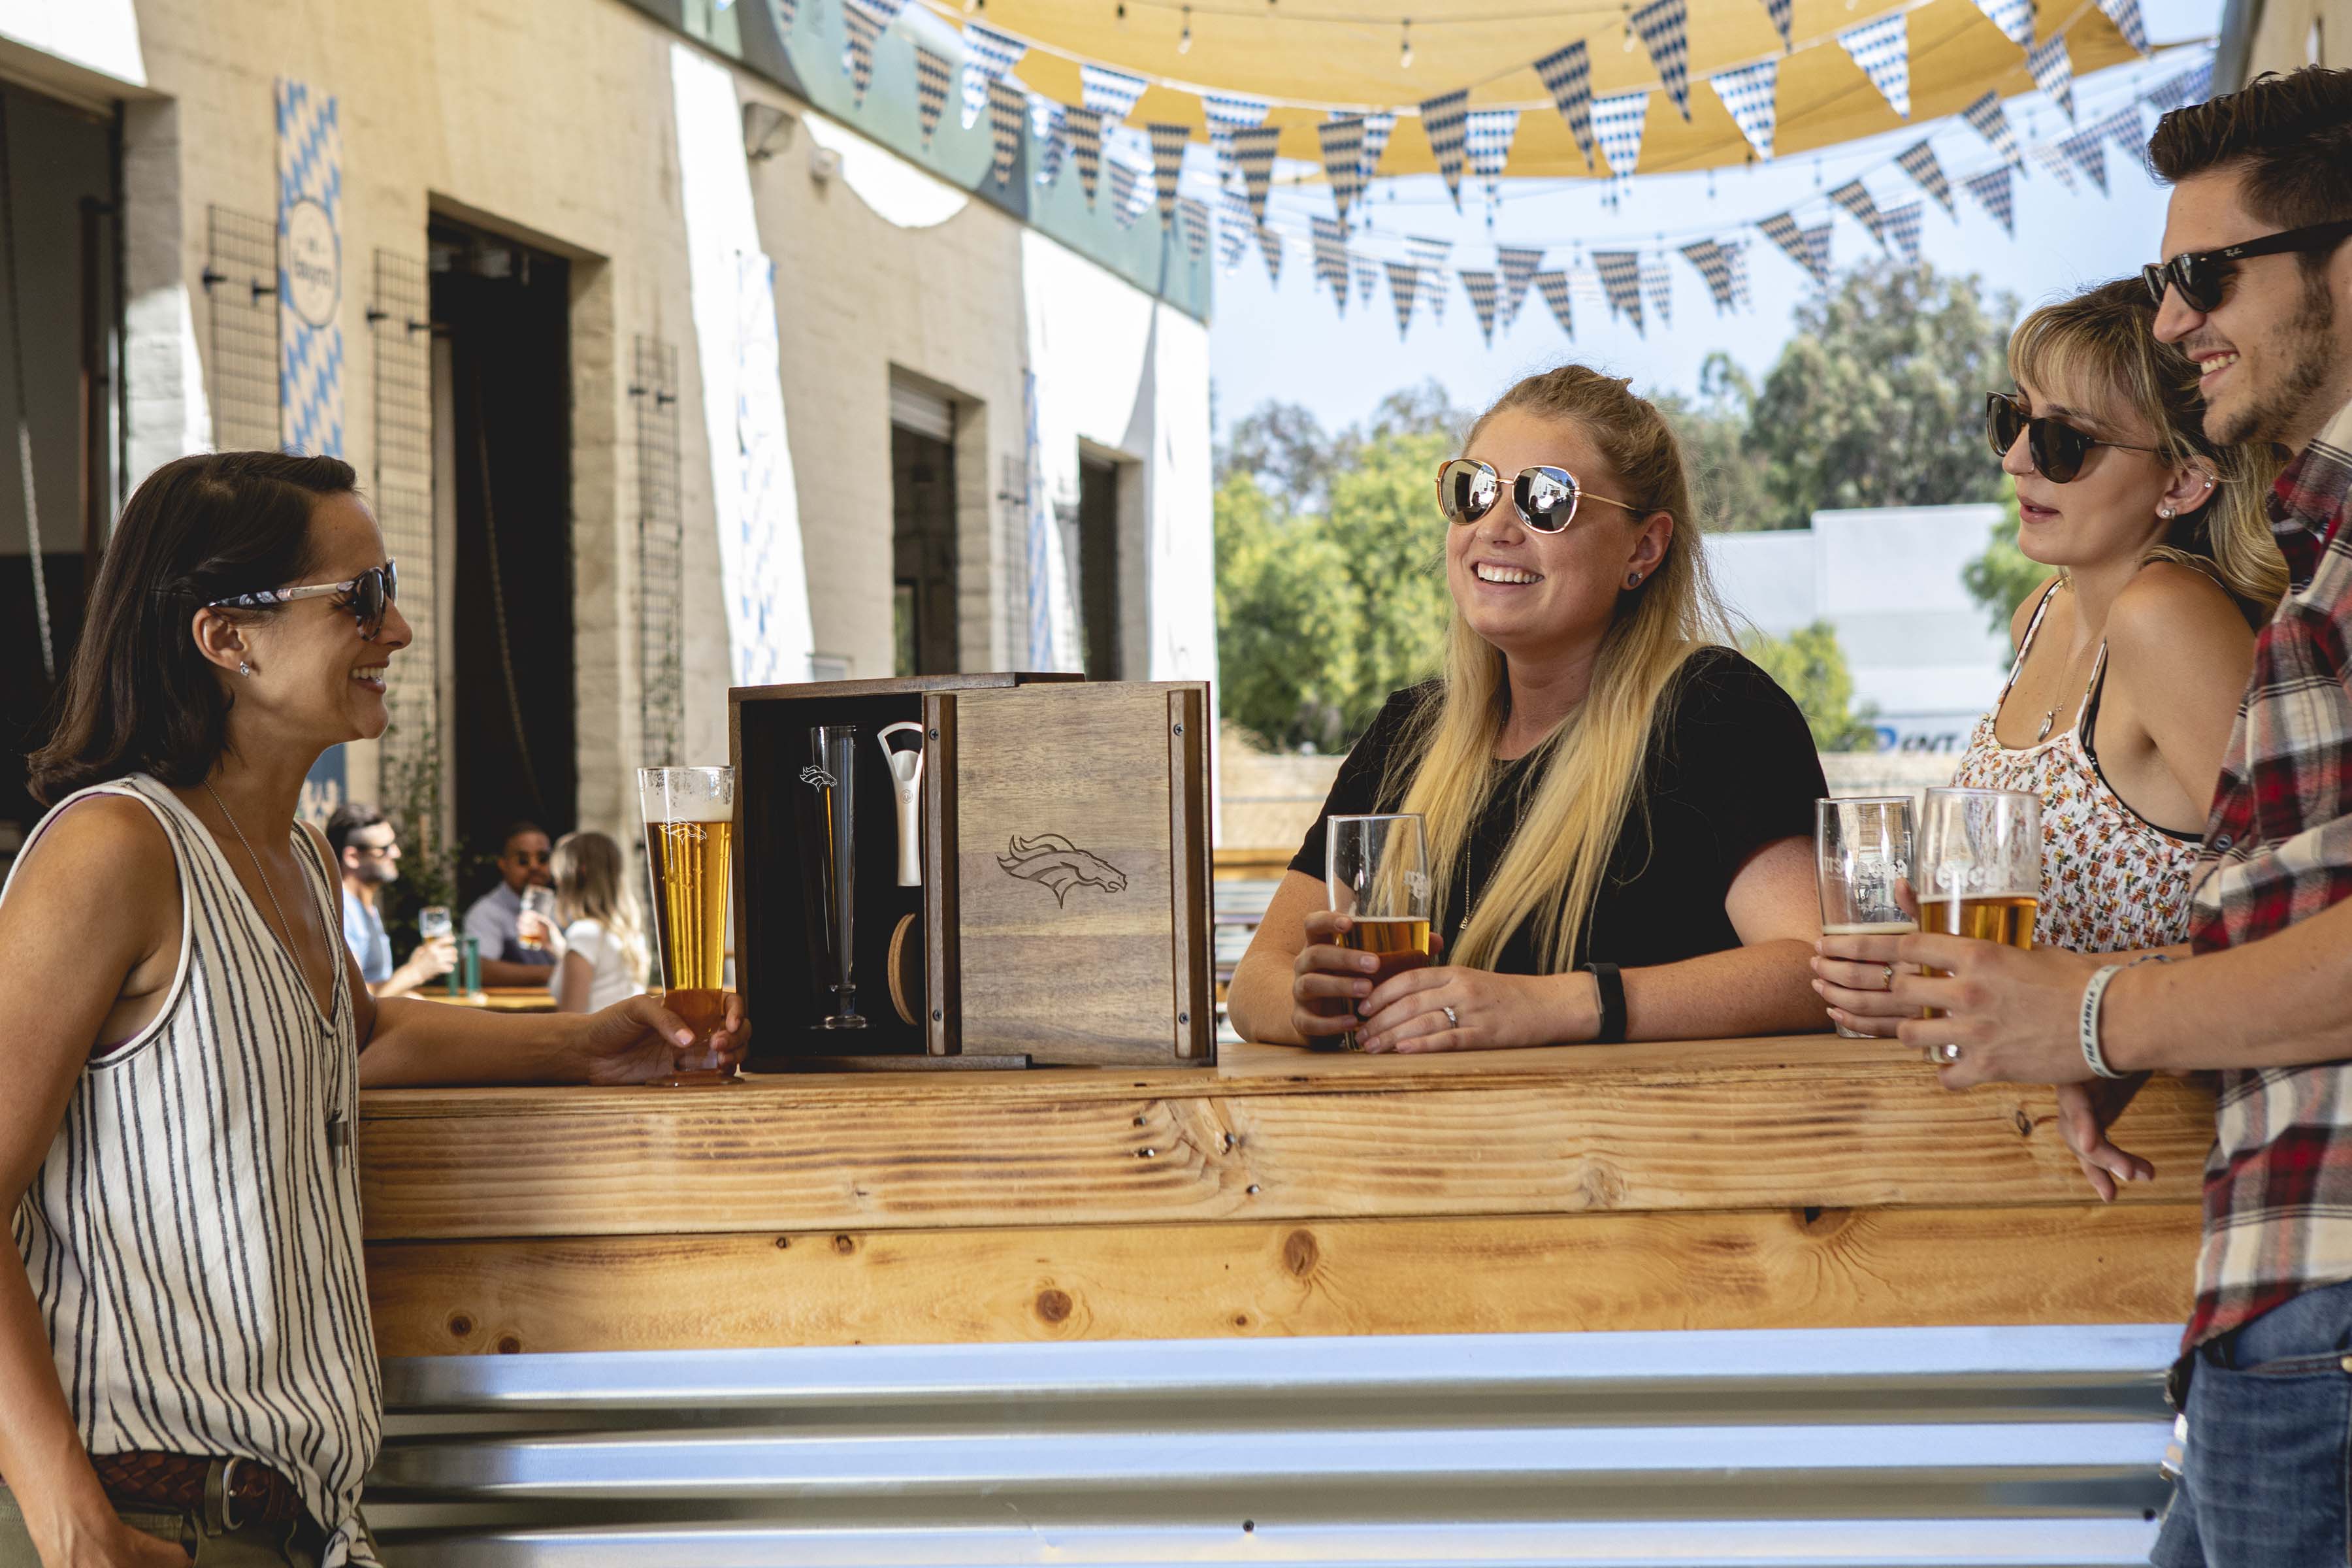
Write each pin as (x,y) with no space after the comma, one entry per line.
(1546,497)
(372,591)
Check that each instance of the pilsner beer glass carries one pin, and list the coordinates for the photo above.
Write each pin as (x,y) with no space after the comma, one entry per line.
(433,922)
(828,807)
(1377,872)
(540,902)
(1979,870)
(689,817)
(1862,847)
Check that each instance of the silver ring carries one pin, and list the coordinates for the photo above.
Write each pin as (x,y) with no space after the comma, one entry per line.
(1950,1051)
(1451,1016)
(1890,974)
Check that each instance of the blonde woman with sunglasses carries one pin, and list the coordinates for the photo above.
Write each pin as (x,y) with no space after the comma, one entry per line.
(1619,807)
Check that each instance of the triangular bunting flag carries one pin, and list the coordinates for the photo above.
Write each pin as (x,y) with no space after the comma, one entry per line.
(1377,127)
(1084,127)
(1621,275)
(1253,151)
(1782,230)
(1269,245)
(1343,137)
(1553,286)
(1990,121)
(987,56)
(1006,110)
(1233,227)
(1585,283)
(1429,261)
(1049,128)
(1662,27)
(2054,71)
(1480,286)
(1567,75)
(2088,155)
(1367,277)
(1487,137)
(1331,259)
(1403,276)
(1817,242)
(1126,194)
(1658,289)
(865,21)
(1227,112)
(1780,12)
(1109,93)
(1903,227)
(1750,95)
(2123,129)
(1918,160)
(1735,262)
(1617,126)
(1194,216)
(2179,92)
(2054,162)
(2125,15)
(1991,188)
(2013,17)
(1712,263)
(1168,143)
(1445,121)
(1518,264)
(1882,50)
(1855,199)
(932,74)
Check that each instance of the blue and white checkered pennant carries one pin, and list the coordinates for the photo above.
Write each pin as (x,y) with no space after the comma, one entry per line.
(1713,266)
(1918,160)
(1567,75)
(987,56)
(1782,230)
(2179,92)
(310,270)
(1227,112)
(2123,128)
(2013,17)
(1234,226)
(2088,154)
(1127,195)
(1007,108)
(1480,286)
(1621,276)
(1343,139)
(2053,162)
(1903,225)
(1488,136)
(1617,126)
(1331,259)
(1377,127)
(1658,289)
(1193,221)
(1780,12)
(1167,143)
(1269,245)
(1882,50)
(1750,95)
(1429,259)
(1518,264)
(864,23)
(1855,197)
(1049,127)
(1735,261)
(1253,151)
(2125,15)
(1445,121)
(1991,188)
(1109,93)
(1663,27)
(1990,121)
(1367,277)
(1553,287)
(2054,71)
(933,72)
(1403,277)
(1085,129)
(1817,243)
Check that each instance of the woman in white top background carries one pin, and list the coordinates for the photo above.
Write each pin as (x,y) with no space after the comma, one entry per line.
(601,953)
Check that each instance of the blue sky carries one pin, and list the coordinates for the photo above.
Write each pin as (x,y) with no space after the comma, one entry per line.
(1290,344)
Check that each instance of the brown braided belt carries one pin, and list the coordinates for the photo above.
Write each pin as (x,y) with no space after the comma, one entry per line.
(256,1494)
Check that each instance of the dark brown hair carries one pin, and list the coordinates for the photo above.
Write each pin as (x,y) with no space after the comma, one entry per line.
(2291,135)
(351,816)
(140,695)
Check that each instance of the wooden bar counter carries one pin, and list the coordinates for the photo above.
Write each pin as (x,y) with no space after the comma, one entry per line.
(1807,1182)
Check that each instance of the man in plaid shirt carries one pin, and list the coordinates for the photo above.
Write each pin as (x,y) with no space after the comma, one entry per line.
(2257,289)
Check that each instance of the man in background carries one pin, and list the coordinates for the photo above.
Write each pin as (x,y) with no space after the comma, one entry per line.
(367,851)
(491,921)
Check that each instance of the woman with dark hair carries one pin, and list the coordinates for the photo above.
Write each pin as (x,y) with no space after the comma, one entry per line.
(185,1353)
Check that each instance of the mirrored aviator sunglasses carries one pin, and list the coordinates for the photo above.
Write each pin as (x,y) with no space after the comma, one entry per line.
(1546,497)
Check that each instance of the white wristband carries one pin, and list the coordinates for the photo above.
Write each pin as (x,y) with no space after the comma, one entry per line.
(2092,995)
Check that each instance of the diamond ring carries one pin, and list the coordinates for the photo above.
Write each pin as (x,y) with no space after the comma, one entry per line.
(1451,1016)
(1889,970)
(1950,1051)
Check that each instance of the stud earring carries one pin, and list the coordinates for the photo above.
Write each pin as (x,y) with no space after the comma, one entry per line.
(2164,511)
(1633,579)
(243,667)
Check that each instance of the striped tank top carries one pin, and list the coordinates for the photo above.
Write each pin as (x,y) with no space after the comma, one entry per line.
(193,1237)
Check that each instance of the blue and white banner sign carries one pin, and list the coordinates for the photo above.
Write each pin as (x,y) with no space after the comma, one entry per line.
(310,270)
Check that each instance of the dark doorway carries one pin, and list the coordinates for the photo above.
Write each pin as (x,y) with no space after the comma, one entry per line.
(1098,571)
(505,309)
(60,316)
(923,531)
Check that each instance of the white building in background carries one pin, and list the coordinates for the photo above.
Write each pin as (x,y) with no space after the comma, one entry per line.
(1887,580)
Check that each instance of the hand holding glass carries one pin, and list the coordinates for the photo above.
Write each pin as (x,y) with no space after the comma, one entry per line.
(1377,874)
(689,820)
(1862,847)
(1979,871)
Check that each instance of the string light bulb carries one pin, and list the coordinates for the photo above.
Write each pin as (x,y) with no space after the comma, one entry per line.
(1404,54)
(1122,15)
(1184,40)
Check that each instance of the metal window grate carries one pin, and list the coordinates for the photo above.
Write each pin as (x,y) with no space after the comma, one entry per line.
(240,280)
(661,578)
(400,329)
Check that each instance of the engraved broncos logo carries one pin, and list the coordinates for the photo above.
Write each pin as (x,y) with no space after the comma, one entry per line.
(1060,864)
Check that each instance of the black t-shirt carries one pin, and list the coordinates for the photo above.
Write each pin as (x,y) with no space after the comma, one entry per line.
(1733,770)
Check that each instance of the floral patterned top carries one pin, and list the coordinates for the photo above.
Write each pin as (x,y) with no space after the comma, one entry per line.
(2111,880)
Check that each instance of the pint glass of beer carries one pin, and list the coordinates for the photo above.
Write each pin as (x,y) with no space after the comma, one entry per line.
(1979,869)
(689,817)
(1378,872)
(1862,849)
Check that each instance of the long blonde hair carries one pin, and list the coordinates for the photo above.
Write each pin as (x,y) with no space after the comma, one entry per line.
(592,883)
(1586,779)
(2106,337)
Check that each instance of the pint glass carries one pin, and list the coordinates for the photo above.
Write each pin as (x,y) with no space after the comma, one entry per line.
(689,817)
(1377,872)
(1862,847)
(1979,866)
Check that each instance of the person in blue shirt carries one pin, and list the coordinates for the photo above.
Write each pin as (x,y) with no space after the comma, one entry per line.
(368,852)
(492,919)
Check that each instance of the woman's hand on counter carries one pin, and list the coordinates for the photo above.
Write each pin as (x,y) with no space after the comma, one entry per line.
(639,1041)
(1328,981)
(1854,975)
(1410,1013)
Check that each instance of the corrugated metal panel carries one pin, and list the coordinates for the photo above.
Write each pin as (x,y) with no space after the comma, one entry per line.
(2014,1446)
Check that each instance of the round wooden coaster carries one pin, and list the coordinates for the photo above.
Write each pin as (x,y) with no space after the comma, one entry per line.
(906,966)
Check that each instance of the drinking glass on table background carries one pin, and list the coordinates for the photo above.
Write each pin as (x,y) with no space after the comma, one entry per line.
(1377,873)
(540,902)
(689,819)
(1978,867)
(1862,847)
(433,922)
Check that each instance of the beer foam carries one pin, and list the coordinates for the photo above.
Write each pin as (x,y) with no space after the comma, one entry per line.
(681,805)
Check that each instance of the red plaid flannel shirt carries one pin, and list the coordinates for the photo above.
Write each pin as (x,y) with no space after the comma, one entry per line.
(2278,1184)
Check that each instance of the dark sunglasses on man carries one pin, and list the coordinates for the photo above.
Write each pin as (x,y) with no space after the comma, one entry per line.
(2201,275)
(1546,497)
(2057,448)
(372,591)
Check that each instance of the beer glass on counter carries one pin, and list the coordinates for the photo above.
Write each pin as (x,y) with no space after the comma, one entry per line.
(1979,866)
(1862,848)
(689,819)
(828,818)
(1377,872)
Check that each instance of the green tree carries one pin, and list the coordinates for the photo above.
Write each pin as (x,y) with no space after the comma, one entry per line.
(1727,477)
(1289,618)
(1875,400)
(2003,576)
(1810,667)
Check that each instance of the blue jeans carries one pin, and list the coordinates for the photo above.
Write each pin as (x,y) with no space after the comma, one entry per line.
(2267,1481)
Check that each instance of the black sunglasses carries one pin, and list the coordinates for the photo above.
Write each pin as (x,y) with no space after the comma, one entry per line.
(370,593)
(2201,275)
(1547,496)
(2057,448)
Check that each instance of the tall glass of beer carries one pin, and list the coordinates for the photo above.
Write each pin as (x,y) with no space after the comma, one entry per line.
(1979,870)
(1862,847)
(689,817)
(1377,871)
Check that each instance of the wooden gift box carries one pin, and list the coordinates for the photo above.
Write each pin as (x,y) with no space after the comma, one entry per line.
(1064,904)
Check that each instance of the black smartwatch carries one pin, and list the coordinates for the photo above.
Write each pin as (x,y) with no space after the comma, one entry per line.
(1612,1003)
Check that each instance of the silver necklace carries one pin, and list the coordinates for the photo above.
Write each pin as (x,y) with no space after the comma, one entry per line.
(285,926)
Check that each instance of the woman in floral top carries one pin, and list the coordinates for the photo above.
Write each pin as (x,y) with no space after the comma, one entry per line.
(2132,657)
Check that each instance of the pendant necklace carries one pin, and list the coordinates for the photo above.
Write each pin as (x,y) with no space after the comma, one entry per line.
(285,927)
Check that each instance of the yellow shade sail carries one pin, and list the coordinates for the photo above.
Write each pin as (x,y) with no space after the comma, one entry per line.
(1314,57)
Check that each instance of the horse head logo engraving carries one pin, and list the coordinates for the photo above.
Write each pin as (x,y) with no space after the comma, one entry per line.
(1060,864)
